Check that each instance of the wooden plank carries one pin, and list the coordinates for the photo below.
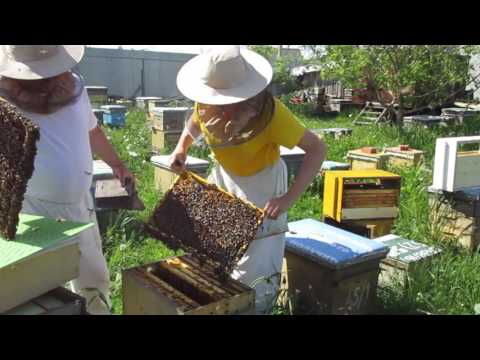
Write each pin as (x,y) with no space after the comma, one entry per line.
(370,213)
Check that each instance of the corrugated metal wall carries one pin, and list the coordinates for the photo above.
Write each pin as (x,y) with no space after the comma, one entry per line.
(121,71)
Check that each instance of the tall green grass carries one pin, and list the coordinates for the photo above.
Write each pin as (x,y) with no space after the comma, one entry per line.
(449,285)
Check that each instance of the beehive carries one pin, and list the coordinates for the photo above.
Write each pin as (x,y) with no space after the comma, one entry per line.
(337,133)
(367,158)
(170,119)
(404,155)
(145,102)
(426,121)
(293,159)
(459,115)
(165,177)
(183,286)
(162,139)
(331,271)
(333,165)
(114,115)
(44,256)
(404,258)
(59,301)
(455,169)
(98,95)
(361,195)
(99,115)
(215,228)
(457,215)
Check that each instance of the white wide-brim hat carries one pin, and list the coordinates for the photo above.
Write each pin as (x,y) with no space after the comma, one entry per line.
(224,75)
(33,62)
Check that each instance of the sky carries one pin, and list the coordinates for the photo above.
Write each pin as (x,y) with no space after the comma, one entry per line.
(189,49)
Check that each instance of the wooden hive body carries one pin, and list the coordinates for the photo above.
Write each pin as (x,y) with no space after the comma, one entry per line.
(183,286)
(407,157)
(360,160)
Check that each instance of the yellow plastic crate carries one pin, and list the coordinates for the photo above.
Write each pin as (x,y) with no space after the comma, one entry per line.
(361,194)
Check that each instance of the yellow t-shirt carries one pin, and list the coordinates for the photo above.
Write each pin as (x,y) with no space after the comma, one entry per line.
(263,150)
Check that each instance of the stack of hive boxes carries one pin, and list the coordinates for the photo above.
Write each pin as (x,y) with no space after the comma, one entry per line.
(362,201)
(167,126)
(455,194)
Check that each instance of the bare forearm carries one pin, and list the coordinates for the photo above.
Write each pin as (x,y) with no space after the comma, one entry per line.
(315,153)
(102,147)
(190,132)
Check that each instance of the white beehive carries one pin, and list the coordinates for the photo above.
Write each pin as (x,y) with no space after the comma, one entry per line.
(454,169)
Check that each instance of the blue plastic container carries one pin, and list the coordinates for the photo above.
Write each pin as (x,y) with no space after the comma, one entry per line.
(114,115)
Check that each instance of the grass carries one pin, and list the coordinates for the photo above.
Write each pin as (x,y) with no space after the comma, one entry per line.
(448,285)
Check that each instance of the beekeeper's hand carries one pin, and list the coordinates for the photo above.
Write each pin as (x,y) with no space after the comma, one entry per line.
(177,161)
(122,173)
(277,206)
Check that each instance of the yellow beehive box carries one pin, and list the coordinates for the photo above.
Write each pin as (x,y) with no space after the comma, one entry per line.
(367,158)
(361,194)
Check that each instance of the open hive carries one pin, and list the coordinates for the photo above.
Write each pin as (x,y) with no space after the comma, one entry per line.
(216,229)
(201,218)
(18,137)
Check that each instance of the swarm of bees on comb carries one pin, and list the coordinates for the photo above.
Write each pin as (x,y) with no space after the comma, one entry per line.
(18,138)
(201,218)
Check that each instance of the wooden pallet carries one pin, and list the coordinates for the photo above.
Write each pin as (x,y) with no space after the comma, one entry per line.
(371,114)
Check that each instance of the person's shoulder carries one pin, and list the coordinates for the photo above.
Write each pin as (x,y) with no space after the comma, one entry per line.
(280,109)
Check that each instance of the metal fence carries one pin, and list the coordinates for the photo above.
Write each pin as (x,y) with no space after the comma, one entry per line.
(132,73)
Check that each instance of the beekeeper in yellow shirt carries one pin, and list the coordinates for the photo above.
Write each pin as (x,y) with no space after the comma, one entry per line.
(244,126)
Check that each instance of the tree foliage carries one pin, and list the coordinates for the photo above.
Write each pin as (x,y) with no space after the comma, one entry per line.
(282,65)
(417,76)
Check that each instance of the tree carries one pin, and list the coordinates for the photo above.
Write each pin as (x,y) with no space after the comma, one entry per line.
(416,76)
(282,66)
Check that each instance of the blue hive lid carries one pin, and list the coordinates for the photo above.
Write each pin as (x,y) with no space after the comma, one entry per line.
(331,246)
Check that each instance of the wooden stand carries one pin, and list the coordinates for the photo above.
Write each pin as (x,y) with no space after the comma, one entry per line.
(56,302)
(370,228)
(182,286)
(457,215)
